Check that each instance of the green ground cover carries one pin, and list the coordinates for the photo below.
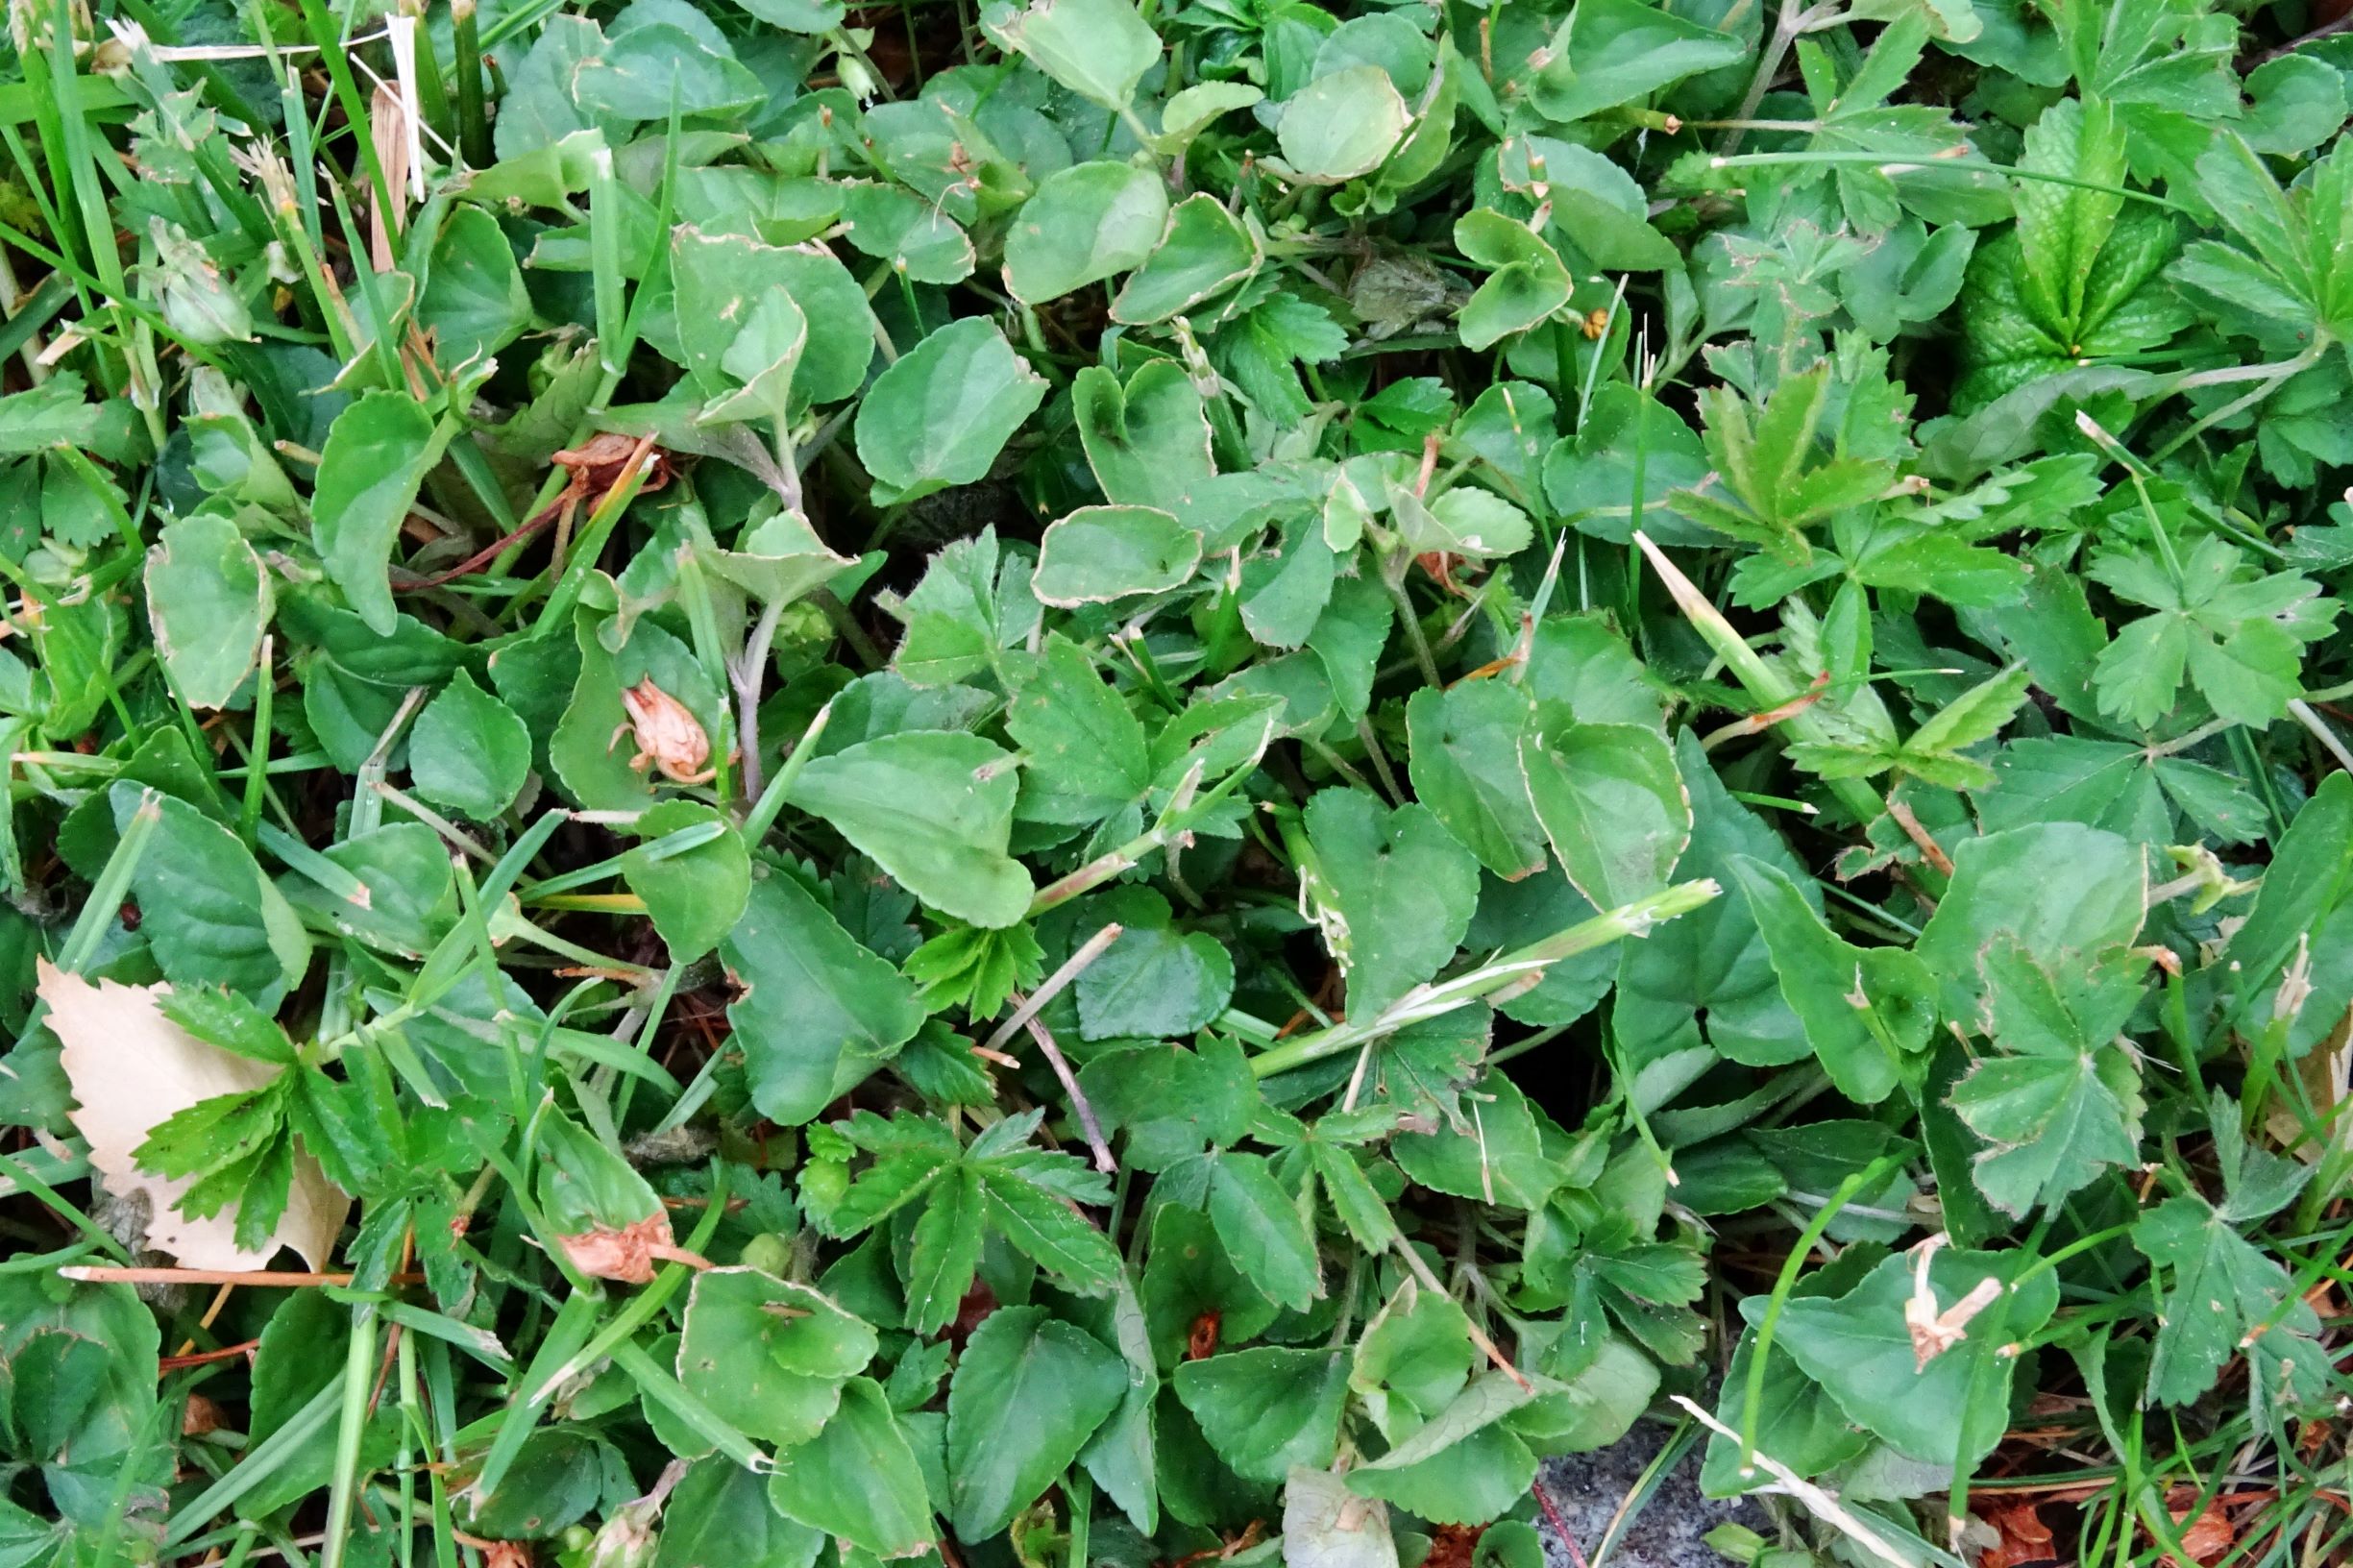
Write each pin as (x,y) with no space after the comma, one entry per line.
(1106,787)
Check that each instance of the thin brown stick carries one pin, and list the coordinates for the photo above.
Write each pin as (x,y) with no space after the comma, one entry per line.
(1930,850)
(1086,1123)
(1430,1281)
(202,1357)
(1023,1011)
(1757,724)
(2324,31)
(481,558)
(1560,1525)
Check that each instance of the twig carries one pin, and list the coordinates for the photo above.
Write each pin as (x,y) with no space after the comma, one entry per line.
(1430,1281)
(1093,1129)
(1930,850)
(1023,1011)
(202,1357)
(1757,724)
(491,551)
(1560,1525)
(2325,29)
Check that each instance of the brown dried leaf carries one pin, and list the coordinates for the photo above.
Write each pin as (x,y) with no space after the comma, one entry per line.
(627,1254)
(2023,1537)
(133,1069)
(2208,1537)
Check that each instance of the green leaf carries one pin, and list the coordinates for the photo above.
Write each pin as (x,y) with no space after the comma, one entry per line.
(1613,52)
(1147,443)
(943,412)
(1264,1231)
(810,16)
(1702,986)
(378,452)
(1529,282)
(1154,982)
(1342,125)
(1099,49)
(935,810)
(2221,1286)
(209,602)
(720,1517)
(208,914)
(1100,554)
(1465,767)
(1267,1410)
(694,896)
(1086,223)
(1491,1152)
(1867,1011)
(474,302)
(2064,1104)
(1599,209)
(857,1479)
(920,241)
(818,1012)
(1203,251)
(1460,1467)
(1028,1202)
(1612,804)
(469,752)
(768,1356)
(944,1252)
(2058,887)
(1027,1394)
(590,749)
(1391,889)
(1084,750)
(1857,1346)
(1285,593)
(1770,481)
(724,282)
(1188,1276)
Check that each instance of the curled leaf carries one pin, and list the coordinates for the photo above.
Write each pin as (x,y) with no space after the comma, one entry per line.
(1934,1333)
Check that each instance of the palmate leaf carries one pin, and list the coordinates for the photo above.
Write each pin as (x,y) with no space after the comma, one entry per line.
(999,1183)
(2075,281)
(2235,635)
(1934,752)
(1770,483)
(2289,284)
(2064,1103)
(2226,1295)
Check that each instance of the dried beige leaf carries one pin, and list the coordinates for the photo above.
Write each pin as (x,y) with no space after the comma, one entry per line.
(669,735)
(133,1069)
(1934,1333)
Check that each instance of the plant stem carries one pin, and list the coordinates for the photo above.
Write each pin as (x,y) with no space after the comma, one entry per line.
(1527,965)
